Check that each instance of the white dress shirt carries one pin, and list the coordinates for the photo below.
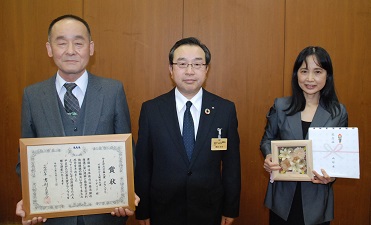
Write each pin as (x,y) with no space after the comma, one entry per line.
(181,101)
(79,91)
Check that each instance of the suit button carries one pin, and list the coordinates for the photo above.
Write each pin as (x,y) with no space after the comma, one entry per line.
(75,129)
(189,173)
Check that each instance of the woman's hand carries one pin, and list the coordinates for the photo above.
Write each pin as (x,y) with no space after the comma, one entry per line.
(269,166)
(325,179)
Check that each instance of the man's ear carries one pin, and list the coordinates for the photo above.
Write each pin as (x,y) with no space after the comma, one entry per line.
(91,47)
(171,70)
(49,49)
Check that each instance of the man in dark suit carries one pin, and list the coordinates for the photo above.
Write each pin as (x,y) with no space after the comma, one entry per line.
(95,105)
(187,155)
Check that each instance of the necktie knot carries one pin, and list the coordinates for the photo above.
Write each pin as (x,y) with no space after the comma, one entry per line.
(188,105)
(70,86)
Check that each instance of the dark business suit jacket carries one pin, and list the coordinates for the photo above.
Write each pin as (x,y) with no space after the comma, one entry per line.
(174,190)
(106,112)
(318,199)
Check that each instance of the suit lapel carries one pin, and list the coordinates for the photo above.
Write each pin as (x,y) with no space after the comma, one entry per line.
(49,99)
(319,120)
(320,117)
(167,107)
(294,122)
(205,123)
(93,101)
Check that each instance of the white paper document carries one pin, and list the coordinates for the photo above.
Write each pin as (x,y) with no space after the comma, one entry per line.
(74,176)
(336,150)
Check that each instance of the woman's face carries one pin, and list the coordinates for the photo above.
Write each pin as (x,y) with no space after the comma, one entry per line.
(311,77)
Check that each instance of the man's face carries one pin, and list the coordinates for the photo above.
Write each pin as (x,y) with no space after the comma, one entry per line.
(188,80)
(70,47)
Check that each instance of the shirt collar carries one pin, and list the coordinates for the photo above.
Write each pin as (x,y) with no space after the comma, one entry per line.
(81,82)
(181,100)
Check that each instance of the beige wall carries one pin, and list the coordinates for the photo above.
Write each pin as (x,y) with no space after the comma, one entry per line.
(253,44)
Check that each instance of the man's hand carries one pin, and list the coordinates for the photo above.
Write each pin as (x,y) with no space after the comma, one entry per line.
(20,212)
(125,212)
(226,220)
(144,222)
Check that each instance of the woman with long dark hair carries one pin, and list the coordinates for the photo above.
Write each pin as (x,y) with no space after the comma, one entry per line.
(313,103)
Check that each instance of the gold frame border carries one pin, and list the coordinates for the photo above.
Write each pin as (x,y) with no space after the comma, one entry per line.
(24,142)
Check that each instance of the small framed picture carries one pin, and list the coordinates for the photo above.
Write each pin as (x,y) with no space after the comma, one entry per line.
(295,159)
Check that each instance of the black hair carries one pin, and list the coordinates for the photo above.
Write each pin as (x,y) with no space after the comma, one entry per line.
(68,16)
(189,41)
(328,97)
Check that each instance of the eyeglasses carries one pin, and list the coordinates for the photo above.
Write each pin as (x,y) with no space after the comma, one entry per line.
(196,66)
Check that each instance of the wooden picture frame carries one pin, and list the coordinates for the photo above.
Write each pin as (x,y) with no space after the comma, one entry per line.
(295,159)
(76,175)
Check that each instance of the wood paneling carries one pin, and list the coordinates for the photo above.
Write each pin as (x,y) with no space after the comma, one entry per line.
(343,28)
(132,41)
(24,25)
(253,45)
(246,40)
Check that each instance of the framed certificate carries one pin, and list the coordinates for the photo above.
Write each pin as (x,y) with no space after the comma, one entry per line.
(295,159)
(76,175)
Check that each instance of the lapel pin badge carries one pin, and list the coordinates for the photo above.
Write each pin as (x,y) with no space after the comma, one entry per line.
(207,111)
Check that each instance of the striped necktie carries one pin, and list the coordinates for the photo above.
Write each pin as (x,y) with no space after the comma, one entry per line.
(71,104)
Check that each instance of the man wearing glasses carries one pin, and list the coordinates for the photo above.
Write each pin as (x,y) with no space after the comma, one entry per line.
(187,156)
